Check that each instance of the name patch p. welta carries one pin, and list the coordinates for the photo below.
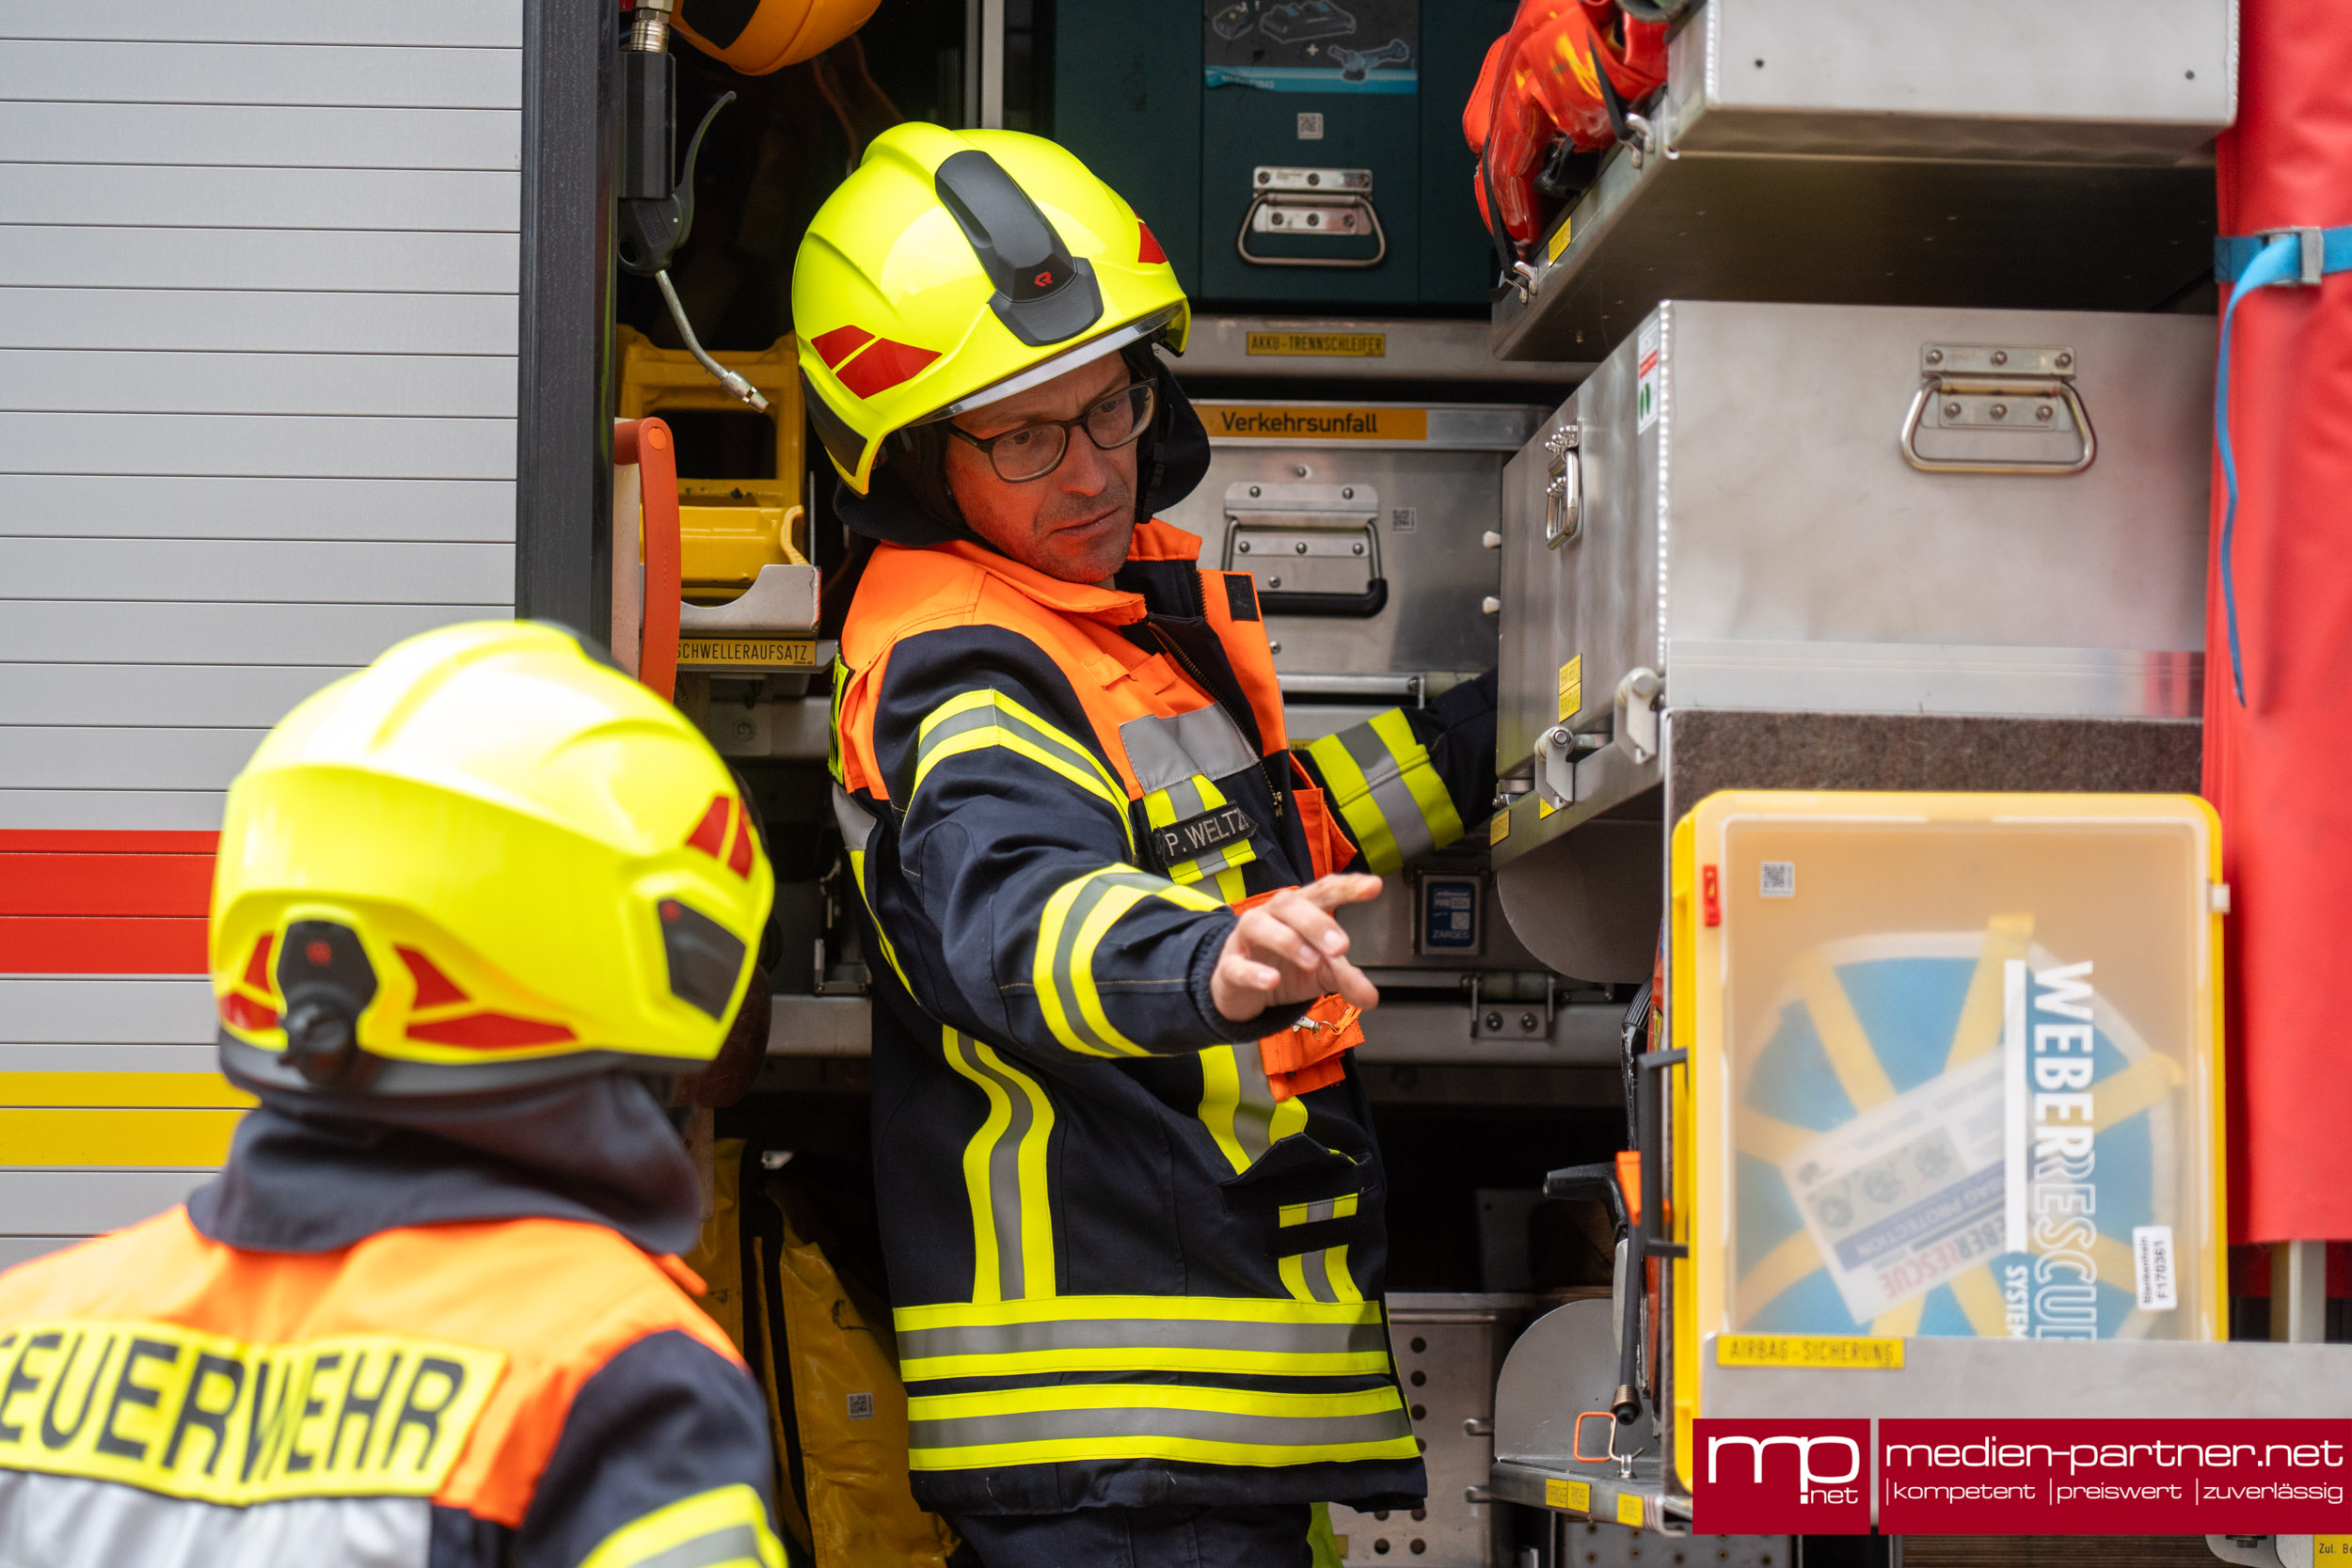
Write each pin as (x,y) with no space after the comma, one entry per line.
(1194,837)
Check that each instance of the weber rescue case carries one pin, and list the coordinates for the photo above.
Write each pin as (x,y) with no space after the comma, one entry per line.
(1970,153)
(1954,1070)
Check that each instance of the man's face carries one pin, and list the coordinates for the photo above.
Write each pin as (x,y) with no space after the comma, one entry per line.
(1074,523)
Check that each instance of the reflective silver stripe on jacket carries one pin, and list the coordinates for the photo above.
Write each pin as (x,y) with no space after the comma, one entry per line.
(1166,752)
(1384,781)
(71,1522)
(1216,1426)
(856,823)
(1143,1336)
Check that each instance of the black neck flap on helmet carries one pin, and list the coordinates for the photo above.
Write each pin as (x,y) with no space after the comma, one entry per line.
(907,500)
(1044,294)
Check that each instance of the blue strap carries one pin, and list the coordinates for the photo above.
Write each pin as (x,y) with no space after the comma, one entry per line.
(2249,262)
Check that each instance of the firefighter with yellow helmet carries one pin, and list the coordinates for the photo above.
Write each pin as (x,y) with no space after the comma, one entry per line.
(477,908)
(1130,1195)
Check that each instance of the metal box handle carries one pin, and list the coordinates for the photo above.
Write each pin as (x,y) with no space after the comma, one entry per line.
(1314,195)
(1564,490)
(2044,387)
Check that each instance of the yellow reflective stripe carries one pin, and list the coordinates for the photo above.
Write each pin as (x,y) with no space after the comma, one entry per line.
(1119,1358)
(977,1193)
(1351,793)
(1320,1275)
(1004,1175)
(1062,968)
(1275,1337)
(1161,810)
(1079,1450)
(1220,1102)
(722,1528)
(841,675)
(1234,1309)
(1387,791)
(890,953)
(985,717)
(1151,1395)
(1023,1425)
(1412,761)
(1343,1282)
(1035,1231)
(1305,1214)
(1238,1107)
(1229,885)
(1106,913)
(1063,1012)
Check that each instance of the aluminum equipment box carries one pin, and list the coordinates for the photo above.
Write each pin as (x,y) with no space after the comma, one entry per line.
(1943,518)
(1370,529)
(1955,1070)
(1970,153)
(1365,525)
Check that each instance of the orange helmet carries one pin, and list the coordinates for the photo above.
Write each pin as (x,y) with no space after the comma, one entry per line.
(756,37)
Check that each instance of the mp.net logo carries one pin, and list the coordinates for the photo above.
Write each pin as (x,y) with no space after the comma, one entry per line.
(1775,1478)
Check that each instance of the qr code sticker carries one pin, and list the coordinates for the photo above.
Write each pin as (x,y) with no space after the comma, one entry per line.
(861,1407)
(1777,880)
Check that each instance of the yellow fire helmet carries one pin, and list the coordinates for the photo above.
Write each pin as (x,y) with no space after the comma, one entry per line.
(486,861)
(756,37)
(957,267)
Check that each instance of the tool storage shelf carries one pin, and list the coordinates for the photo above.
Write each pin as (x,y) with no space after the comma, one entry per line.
(1972,152)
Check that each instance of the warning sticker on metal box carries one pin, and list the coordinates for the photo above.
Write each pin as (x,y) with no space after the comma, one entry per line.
(1645,386)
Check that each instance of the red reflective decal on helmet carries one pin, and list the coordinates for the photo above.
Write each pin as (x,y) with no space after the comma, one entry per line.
(257,967)
(710,833)
(492,1030)
(242,1012)
(834,346)
(883,366)
(739,857)
(1149,253)
(434,989)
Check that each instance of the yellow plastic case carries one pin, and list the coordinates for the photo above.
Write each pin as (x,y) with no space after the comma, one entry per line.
(728,529)
(1955,1069)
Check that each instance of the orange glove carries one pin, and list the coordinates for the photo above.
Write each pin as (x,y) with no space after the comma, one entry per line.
(1307,1054)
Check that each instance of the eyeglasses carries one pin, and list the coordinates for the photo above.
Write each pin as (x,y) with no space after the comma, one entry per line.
(1034,451)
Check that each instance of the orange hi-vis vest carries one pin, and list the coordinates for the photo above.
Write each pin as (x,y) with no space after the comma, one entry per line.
(1053,795)
(169,1400)
(1154,715)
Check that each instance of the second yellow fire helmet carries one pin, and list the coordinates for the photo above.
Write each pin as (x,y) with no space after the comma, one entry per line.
(486,861)
(957,267)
